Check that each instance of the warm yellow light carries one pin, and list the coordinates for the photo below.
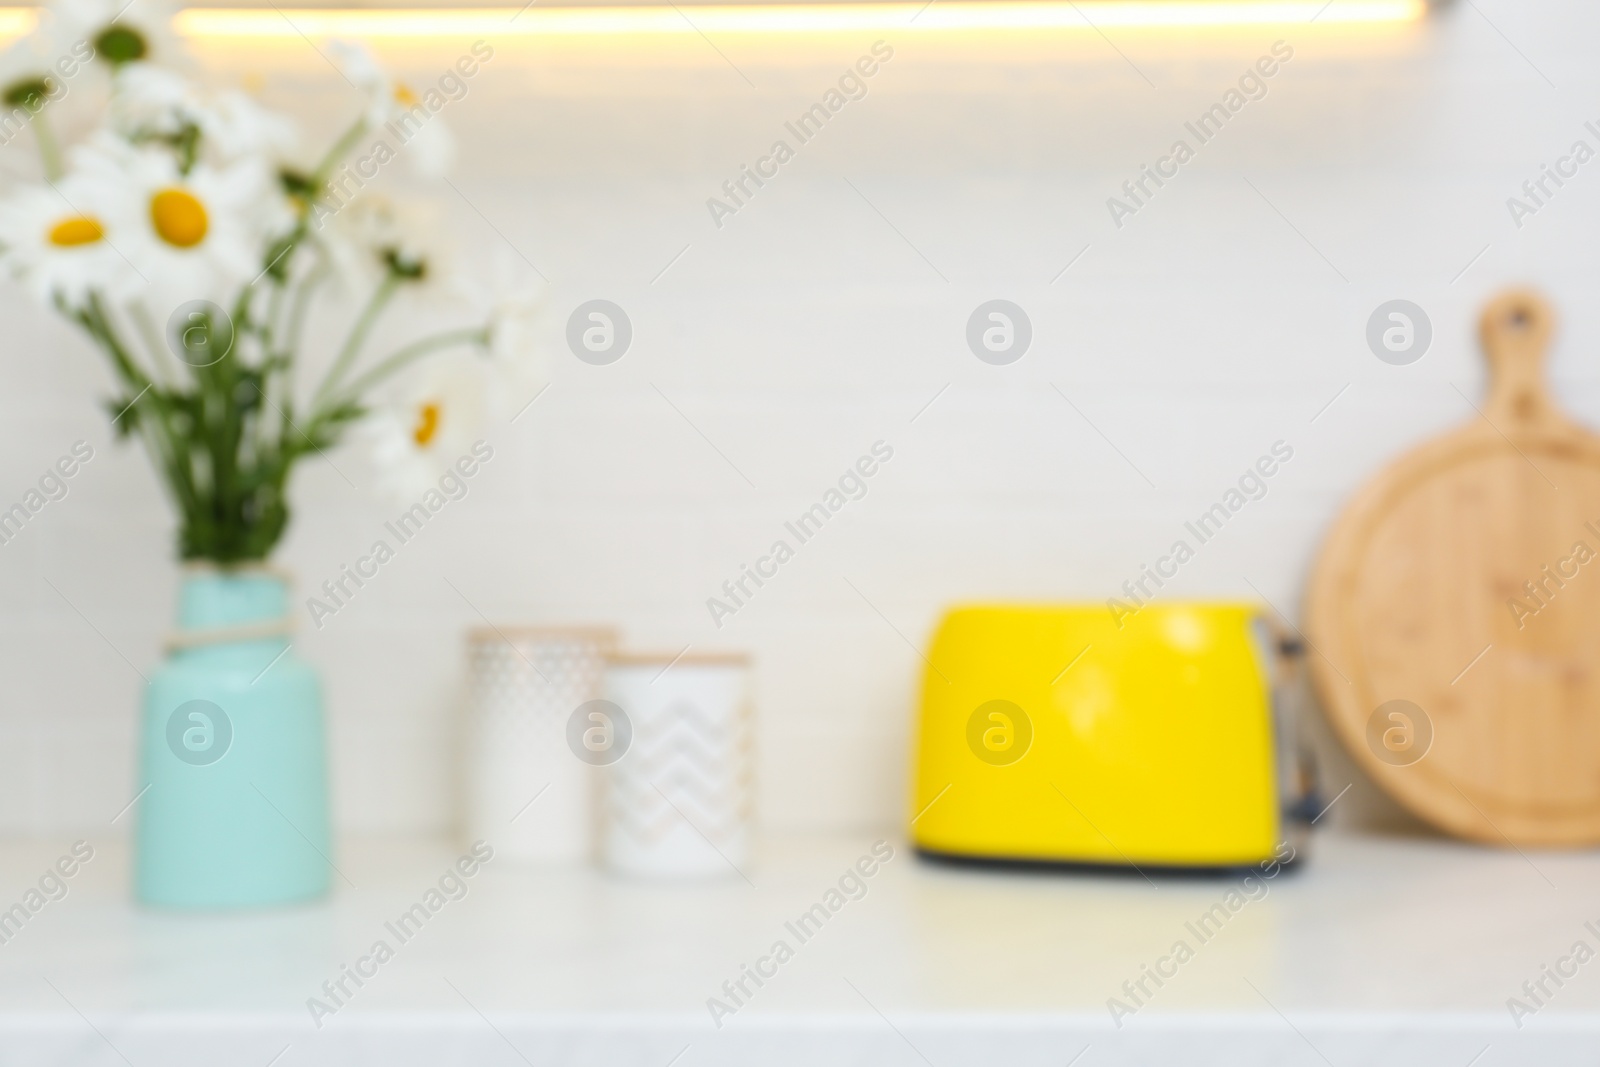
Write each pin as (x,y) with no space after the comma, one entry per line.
(915,16)
(16,21)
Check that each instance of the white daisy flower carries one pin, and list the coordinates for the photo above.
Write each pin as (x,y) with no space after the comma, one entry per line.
(238,128)
(58,247)
(120,31)
(429,421)
(191,236)
(153,102)
(395,110)
(511,304)
(373,234)
(357,63)
(27,71)
(426,143)
(25,90)
(42,71)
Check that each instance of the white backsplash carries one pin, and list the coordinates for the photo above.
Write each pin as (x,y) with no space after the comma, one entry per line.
(822,317)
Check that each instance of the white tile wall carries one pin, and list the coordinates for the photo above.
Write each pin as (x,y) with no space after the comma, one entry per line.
(807,328)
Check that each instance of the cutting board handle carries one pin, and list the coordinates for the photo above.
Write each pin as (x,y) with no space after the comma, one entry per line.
(1515,330)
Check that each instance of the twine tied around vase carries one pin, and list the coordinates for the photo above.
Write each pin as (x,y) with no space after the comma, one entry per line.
(179,640)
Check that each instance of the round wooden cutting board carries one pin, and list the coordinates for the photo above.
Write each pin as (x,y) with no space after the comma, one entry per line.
(1455,612)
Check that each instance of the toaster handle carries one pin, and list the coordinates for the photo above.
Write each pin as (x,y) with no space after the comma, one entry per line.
(1289,687)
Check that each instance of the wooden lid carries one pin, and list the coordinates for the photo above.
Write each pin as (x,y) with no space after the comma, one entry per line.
(601,635)
(1454,612)
(690,658)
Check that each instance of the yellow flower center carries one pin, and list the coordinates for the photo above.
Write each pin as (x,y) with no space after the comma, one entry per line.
(404,96)
(179,218)
(77,230)
(427,424)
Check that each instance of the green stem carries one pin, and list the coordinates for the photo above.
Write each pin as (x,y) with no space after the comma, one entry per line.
(162,438)
(161,360)
(301,304)
(49,150)
(99,325)
(285,326)
(358,335)
(324,168)
(476,335)
(269,324)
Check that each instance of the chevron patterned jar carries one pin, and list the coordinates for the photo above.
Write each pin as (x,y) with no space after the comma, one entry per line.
(680,801)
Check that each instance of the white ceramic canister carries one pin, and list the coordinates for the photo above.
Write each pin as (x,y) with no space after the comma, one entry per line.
(679,802)
(526,794)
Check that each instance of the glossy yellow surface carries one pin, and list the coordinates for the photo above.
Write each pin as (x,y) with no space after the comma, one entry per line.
(1047,732)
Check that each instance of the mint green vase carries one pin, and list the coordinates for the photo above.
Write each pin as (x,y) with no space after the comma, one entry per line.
(233,758)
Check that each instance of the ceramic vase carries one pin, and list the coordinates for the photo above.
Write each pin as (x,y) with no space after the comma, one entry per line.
(233,763)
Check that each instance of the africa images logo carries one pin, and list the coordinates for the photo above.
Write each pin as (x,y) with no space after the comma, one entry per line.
(199,732)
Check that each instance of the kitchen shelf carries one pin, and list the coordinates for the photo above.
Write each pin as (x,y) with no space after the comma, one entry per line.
(1375,951)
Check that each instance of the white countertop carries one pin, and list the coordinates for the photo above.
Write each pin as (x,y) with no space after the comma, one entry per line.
(1375,951)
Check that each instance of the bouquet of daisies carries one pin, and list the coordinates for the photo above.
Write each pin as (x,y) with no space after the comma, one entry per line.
(181,232)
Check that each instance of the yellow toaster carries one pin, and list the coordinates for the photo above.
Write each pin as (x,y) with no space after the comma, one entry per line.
(1157,738)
